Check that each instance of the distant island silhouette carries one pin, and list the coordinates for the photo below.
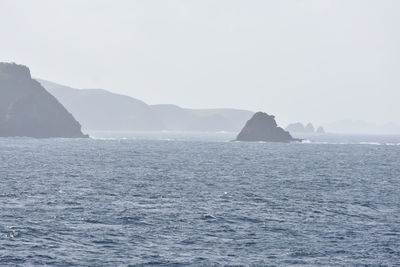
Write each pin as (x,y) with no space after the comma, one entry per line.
(28,110)
(263,127)
(298,127)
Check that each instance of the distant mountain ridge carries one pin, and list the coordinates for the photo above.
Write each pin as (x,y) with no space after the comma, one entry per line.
(98,109)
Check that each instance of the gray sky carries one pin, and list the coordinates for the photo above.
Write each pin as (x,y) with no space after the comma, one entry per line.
(316,61)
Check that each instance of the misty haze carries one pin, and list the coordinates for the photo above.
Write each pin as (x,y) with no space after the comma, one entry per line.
(199,133)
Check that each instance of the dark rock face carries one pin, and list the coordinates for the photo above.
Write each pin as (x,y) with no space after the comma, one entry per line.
(263,127)
(27,109)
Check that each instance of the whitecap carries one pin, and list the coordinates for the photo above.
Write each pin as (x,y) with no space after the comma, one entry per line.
(370,143)
(104,138)
(391,144)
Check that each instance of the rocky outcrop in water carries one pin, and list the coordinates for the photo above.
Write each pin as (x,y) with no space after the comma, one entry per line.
(309,128)
(298,127)
(27,109)
(320,130)
(263,127)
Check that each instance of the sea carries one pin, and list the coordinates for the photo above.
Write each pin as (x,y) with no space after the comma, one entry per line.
(199,199)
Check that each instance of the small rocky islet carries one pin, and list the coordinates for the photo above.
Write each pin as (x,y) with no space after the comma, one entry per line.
(263,128)
(298,127)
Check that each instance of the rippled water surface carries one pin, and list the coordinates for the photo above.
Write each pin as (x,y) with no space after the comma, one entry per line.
(197,202)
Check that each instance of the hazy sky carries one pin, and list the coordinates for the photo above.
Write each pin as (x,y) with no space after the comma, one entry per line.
(316,61)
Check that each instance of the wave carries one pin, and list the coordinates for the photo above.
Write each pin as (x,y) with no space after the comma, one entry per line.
(109,138)
(371,143)
(349,143)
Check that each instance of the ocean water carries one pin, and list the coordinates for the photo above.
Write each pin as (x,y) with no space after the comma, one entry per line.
(173,200)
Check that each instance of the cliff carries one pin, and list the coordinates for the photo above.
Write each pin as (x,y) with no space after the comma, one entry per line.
(27,109)
(263,127)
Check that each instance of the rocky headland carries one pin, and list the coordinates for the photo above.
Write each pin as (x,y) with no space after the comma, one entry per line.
(28,110)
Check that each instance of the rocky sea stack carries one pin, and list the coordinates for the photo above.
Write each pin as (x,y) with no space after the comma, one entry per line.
(263,127)
(27,109)
(298,127)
